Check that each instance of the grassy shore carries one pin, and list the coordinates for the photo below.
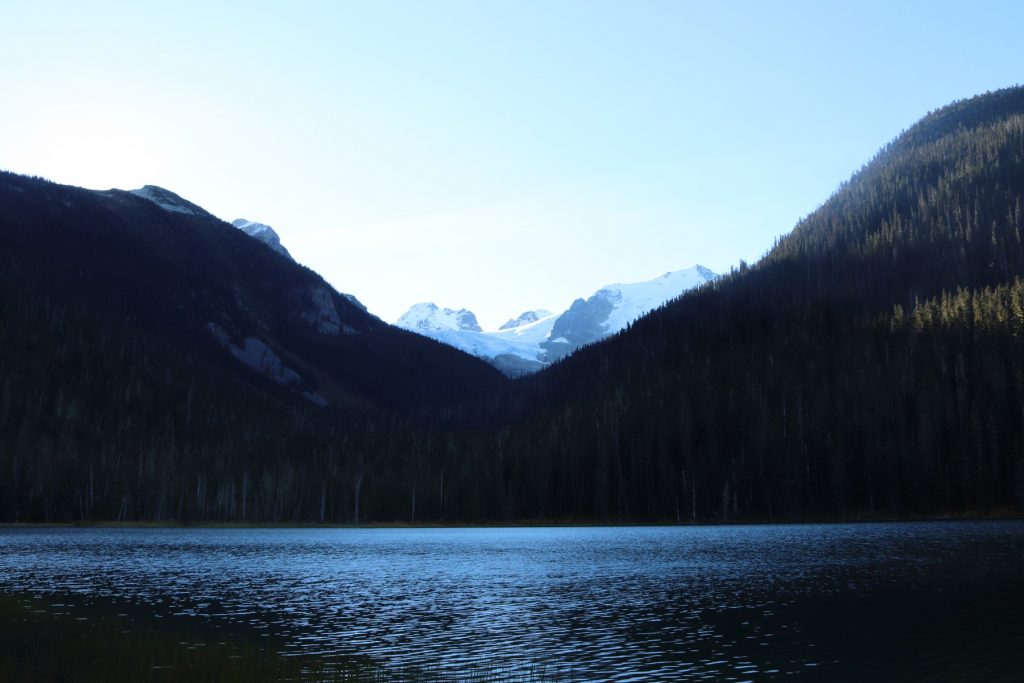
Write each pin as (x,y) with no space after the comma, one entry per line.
(50,640)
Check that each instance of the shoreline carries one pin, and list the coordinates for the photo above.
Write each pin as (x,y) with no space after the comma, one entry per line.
(995,515)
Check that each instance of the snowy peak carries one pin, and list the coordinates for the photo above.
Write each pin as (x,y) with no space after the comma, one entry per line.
(168,201)
(526,318)
(614,307)
(429,317)
(263,233)
(537,338)
(627,302)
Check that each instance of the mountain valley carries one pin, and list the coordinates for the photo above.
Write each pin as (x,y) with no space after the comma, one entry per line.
(157,363)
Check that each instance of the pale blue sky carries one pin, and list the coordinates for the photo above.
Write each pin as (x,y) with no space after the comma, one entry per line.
(493,155)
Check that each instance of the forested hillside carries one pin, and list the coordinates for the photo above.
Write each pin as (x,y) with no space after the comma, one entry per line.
(158,363)
(870,364)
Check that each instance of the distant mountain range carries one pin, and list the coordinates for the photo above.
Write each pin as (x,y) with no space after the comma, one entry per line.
(537,338)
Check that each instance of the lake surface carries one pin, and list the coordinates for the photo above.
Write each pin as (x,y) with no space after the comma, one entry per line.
(915,601)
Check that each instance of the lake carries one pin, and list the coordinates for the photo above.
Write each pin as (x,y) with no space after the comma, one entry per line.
(889,601)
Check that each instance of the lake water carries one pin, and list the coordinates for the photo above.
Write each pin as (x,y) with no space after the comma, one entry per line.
(916,601)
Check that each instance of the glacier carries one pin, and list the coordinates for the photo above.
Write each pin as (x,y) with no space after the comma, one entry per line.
(536,338)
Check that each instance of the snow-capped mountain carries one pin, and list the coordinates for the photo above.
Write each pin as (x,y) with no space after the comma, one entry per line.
(613,307)
(537,338)
(427,317)
(264,233)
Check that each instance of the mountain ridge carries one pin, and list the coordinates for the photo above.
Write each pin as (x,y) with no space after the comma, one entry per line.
(868,363)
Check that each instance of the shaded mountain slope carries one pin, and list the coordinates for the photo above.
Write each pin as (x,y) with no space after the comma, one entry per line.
(869,364)
(160,364)
(191,279)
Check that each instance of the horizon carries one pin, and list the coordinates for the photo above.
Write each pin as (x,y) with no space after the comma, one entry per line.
(493,157)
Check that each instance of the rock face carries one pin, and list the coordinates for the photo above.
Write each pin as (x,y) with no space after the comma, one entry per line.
(321,312)
(537,338)
(525,319)
(583,323)
(256,355)
(263,233)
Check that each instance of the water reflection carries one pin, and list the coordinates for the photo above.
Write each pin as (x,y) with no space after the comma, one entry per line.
(726,603)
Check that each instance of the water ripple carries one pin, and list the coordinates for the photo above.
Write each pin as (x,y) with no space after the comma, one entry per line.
(619,604)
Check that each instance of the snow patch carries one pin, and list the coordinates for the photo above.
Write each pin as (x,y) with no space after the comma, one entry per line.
(634,300)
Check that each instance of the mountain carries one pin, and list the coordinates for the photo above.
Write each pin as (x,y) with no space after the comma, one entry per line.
(869,365)
(535,339)
(174,270)
(263,233)
(427,317)
(614,307)
(157,363)
(140,331)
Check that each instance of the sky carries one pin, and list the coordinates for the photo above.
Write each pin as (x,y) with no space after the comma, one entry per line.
(495,155)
